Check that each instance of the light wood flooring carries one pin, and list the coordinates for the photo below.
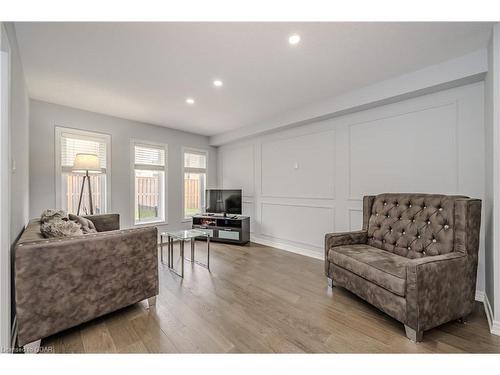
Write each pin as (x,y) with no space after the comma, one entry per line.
(258,299)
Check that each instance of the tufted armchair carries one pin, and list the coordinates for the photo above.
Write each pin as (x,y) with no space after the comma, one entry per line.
(415,258)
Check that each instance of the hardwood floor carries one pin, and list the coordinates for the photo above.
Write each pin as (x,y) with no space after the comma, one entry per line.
(258,299)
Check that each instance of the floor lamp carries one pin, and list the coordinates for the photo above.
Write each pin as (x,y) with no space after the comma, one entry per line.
(88,164)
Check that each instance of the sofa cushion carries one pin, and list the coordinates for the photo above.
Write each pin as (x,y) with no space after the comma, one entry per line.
(381,267)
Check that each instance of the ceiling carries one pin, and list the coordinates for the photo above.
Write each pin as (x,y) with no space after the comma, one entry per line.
(145,71)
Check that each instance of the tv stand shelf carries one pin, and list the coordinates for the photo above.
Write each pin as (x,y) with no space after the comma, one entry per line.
(229,229)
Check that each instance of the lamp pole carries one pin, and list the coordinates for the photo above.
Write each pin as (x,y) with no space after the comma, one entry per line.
(86,176)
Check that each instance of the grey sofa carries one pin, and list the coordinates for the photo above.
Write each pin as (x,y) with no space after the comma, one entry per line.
(415,258)
(63,282)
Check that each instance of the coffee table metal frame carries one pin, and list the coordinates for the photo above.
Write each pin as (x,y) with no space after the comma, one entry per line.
(171,236)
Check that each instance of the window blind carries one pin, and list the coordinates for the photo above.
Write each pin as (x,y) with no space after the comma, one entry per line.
(72,144)
(195,160)
(149,157)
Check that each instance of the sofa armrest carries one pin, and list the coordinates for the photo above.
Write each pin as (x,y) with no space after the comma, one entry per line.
(467,226)
(63,282)
(105,222)
(438,289)
(341,239)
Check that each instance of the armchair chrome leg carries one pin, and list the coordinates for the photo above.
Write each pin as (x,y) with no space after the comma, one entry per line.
(152,301)
(331,284)
(32,347)
(414,335)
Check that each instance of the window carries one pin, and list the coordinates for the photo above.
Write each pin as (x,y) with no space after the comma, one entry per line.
(195,174)
(70,142)
(149,183)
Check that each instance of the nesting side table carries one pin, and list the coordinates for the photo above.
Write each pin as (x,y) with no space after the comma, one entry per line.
(183,236)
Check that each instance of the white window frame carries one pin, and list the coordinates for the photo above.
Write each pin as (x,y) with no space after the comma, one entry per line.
(140,142)
(195,170)
(105,137)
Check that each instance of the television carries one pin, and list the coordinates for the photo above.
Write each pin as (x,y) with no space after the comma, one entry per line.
(222,201)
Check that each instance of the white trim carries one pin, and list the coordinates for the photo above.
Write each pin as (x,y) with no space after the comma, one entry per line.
(480,296)
(58,132)
(164,146)
(199,151)
(5,194)
(495,71)
(494,324)
(287,247)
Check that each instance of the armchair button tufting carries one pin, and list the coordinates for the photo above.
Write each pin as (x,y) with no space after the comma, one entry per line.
(409,248)
(434,240)
(440,208)
(403,232)
(409,205)
(428,222)
(418,236)
(385,203)
(446,226)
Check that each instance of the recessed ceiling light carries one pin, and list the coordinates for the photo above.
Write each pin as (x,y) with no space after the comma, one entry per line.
(218,83)
(294,39)
(190,101)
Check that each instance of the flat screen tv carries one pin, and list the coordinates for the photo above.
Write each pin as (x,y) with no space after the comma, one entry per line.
(221,201)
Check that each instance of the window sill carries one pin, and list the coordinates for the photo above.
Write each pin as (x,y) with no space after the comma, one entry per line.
(150,223)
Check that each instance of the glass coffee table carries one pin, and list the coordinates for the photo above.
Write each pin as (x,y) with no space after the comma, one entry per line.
(183,236)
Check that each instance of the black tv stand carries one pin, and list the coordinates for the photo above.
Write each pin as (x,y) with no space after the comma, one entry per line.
(229,229)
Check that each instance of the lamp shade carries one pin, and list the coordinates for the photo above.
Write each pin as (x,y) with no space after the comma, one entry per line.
(86,163)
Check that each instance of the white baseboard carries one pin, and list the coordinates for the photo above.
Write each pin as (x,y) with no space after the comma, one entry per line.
(480,296)
(494,324)
(302,250)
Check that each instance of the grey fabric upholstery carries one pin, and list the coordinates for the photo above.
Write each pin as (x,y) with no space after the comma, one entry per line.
(422,248)
(378,266)
(63,282)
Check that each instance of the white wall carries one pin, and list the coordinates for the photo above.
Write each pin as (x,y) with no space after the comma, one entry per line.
(492,180)
(44,117)
(19,146)
(301,183)
(15,152)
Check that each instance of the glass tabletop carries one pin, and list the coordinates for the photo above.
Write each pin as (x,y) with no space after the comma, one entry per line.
(186,234)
